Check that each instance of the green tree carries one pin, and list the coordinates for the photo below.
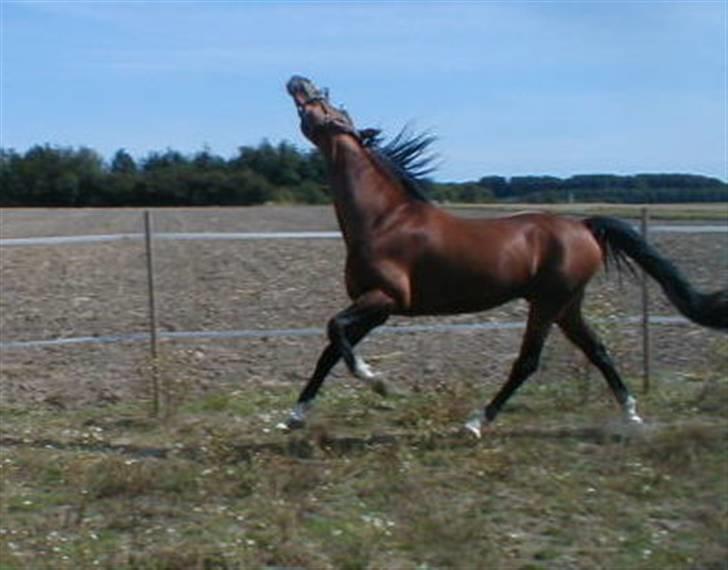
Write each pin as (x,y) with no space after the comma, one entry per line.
(123,163)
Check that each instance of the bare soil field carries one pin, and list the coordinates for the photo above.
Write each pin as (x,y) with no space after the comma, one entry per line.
(89,479)
(51,292)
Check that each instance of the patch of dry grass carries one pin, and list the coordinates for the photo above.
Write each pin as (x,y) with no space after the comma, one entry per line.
(371,484)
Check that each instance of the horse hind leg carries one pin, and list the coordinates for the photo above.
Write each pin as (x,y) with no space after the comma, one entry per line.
(580,333)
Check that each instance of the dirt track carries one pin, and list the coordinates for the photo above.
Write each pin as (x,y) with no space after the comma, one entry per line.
(100,289)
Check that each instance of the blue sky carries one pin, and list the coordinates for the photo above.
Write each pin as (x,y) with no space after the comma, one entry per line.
(510,88)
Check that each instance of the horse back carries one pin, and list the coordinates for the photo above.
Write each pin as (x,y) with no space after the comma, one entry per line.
(533,249)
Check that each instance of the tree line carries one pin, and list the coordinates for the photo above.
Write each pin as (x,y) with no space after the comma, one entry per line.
(53,176)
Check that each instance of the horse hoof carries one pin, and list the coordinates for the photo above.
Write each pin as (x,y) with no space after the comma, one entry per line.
(291,424)
(283,426)
(634,419)
(363,371)
(629,412)
(473,428)
(297,419)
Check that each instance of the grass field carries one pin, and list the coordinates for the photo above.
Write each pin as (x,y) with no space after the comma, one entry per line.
(559,482)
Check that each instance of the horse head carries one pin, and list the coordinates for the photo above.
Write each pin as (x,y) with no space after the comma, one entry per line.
(320,120)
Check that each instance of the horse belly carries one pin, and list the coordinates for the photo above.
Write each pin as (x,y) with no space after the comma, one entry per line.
(451,292)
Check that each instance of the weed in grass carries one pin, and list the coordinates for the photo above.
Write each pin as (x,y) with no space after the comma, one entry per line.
(242,403)
(437,411)
(393,478)
(168,381)
(289,478)
(350,546)
(114,476)
(443,533)
(178,557)
(713,397)
(279,532)
(217,402)
(678,450)
(219,444)
(229,482)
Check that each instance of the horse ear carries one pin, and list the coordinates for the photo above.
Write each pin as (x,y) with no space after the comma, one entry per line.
(369,136)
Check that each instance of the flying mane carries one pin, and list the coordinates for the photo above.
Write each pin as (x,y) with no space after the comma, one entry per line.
(406,155)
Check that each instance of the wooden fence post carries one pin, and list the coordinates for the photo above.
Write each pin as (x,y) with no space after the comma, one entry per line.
(152,310)
(646,353)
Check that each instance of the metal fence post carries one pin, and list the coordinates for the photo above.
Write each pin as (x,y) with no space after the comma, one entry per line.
(646,353)
(152,309)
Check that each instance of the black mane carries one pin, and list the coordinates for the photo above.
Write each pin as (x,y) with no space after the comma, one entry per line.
(406,155)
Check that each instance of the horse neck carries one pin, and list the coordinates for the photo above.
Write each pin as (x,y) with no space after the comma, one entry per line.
(364,191)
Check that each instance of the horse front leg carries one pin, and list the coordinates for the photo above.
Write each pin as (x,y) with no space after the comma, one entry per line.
(345,330)
(537,330)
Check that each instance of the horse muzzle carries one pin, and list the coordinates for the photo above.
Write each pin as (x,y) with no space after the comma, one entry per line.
(304,91)
(314,109)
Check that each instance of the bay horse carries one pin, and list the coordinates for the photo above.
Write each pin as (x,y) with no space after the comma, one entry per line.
(406,256)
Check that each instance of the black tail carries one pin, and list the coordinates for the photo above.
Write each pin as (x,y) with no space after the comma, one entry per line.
(619,241)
